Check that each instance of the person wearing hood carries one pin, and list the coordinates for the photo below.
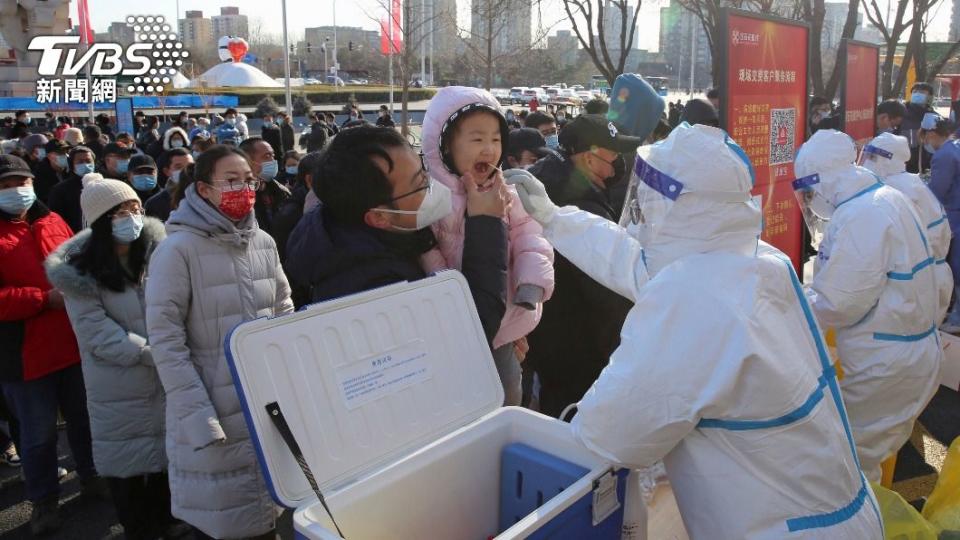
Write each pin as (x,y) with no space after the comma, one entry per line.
(65,196)
(202,129)
(722,372)
(887,156)
(39,359)
(875,282)
(142,175)
(374,224)
(174,137)
(227,133)
(171,164)
(464,141)
(101,273)
(215,270)
(271,194)
(52,169)
(580,325)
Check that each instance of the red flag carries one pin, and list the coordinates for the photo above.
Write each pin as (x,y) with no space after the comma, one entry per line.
(391,30)
(86,29)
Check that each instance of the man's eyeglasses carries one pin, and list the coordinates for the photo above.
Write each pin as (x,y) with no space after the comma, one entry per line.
(424,177)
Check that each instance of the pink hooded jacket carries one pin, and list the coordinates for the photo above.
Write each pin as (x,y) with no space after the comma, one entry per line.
(530,257)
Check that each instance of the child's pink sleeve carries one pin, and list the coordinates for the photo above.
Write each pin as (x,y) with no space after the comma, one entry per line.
(530,252)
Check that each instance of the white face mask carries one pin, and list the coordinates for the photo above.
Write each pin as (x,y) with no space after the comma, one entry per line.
(435,206)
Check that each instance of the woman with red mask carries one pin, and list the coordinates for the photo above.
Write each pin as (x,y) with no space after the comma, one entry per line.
(215,270)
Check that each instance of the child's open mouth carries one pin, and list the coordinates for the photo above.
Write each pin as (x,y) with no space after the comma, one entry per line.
(482,168)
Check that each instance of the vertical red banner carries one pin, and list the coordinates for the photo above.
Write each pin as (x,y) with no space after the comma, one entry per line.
(86,28)
(764,106)
(858,97)
(390,30)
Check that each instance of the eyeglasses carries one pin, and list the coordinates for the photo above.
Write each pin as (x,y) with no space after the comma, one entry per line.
(234,185)
(122,214)
(423,173)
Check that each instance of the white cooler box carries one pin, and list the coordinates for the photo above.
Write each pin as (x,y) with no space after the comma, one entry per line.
(393,397)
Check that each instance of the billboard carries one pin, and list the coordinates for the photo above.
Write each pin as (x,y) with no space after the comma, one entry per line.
(858,95)
(763,95)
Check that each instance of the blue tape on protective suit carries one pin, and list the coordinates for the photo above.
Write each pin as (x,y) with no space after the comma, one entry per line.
(907,276)
(836,517)
(937,222)
(870,149)
(864,191)
(661,182)
(905,338)
(806,182)
(795,415)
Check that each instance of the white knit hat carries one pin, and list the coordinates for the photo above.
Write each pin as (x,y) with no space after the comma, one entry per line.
(100,195)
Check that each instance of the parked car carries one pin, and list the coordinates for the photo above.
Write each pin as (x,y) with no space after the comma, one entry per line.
(567,97)
(530,93)
(585,95)
(578,87)
(334,80)
(502,95)
(516,94)
(355,82)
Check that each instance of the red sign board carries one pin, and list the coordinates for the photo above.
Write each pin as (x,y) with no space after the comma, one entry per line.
(858,100)
(764,108)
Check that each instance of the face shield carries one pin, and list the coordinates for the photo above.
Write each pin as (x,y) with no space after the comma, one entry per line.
(653,194)
(816,210)
(873,154)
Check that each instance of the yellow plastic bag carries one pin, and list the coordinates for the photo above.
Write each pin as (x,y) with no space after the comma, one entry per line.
(943,506)
(900,520)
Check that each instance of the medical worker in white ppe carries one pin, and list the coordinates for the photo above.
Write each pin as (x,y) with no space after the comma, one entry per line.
(721,371)
(887,157)
(875,283)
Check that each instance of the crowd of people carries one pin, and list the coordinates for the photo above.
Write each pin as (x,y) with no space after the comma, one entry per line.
(621,271)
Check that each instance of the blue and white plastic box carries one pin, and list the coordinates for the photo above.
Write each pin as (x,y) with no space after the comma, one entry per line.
(395,401)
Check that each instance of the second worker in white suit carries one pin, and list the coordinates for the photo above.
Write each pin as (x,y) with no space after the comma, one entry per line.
(721,371)
(874,282)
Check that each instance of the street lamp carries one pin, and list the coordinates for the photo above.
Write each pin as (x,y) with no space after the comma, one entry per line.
(286,60)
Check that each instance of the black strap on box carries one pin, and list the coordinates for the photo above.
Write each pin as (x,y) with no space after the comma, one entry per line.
(276,415)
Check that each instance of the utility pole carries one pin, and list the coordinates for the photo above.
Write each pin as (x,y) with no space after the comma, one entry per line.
(336,66)
(693,55)
(286,60)
(433,18)
(390,56)
(423,41)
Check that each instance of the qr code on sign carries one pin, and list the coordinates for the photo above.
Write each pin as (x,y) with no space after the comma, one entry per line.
(783,125)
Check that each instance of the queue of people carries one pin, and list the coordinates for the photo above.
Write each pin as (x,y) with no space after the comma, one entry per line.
(624,274)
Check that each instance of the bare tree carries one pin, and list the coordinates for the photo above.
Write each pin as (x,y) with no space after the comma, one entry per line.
(928,69)
(584,14)
(907,17)
(813,12)
(488,37)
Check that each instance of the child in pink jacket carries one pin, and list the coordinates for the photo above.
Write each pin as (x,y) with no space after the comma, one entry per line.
(464,136)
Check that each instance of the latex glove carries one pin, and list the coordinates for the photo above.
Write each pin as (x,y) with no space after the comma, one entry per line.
(532,194)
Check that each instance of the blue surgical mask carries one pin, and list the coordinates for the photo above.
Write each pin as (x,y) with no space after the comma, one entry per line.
(17,200)
(176,143)
(196,154)
(41,153)
(122,165)
(269,169)
(918,98)
(553,141)
(62,161)
(27,120)
(126,230)
(144,182)
(231,121)
(84,168)
(292,171)
(173,179)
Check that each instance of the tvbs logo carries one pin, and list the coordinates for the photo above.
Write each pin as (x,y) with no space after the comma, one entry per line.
(152,61)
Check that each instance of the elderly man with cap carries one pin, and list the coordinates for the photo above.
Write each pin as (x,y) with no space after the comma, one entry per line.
(721,371)
(39,357)
(52,169)
(115,161)
(581,323)
(142,175)
(33,146)
(65,196)
(875,282)
(525,146)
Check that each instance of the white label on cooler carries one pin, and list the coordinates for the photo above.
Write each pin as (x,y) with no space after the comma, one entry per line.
(373,378)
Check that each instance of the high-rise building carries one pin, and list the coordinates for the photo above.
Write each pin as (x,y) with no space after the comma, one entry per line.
(564,48)
(433,17)
(613,20)
(505,22)
(122,33)
(230,23)
(196,33)
(681,32)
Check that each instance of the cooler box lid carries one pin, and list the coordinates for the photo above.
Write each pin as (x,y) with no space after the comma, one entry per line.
(363,380)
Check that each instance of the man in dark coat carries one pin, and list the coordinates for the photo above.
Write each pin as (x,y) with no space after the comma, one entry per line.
(318,134)
(52,169)
(286,133)
(356,240)
(65,196)
(270,132)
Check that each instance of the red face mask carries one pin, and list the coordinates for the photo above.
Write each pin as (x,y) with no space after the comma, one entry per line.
(237,204)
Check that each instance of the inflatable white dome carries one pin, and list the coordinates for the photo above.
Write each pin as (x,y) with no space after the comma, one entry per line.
(234,74)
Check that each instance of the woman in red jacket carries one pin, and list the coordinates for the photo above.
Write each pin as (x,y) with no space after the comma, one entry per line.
(39,358)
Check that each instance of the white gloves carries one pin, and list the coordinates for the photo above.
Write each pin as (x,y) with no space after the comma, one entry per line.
(532,194)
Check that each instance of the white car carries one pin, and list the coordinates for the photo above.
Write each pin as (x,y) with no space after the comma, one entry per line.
(531,93)
(568,97)
(585,95)
(516,94)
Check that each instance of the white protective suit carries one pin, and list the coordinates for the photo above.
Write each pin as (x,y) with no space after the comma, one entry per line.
(874,282)
(887,157)
(721,370)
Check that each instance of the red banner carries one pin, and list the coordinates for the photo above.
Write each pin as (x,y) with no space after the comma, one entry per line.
(764,101)
(86,29)
(859,96)
(390,30)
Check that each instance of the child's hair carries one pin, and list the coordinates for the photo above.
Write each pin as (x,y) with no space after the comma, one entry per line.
(451,127)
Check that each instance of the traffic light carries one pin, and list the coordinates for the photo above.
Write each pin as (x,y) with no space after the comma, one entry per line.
(291,48)
(308,47)
(350,46)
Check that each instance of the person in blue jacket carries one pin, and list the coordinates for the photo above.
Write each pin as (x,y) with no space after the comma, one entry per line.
(945,184)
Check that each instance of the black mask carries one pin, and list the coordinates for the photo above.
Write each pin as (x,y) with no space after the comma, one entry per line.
(619,168)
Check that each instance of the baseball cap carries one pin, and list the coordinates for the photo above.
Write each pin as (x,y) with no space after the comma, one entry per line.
(141,161)
(14,166)
(116,149)
(528,139)
(589,131)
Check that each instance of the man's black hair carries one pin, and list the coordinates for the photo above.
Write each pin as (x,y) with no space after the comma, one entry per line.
(231,110)
(166,157)
(347,180)
(19,113)
(536,119)
(596,106)
(893,108)
(921,85)
(713,93)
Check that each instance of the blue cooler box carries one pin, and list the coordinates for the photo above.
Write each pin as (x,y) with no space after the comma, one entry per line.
(392,398)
